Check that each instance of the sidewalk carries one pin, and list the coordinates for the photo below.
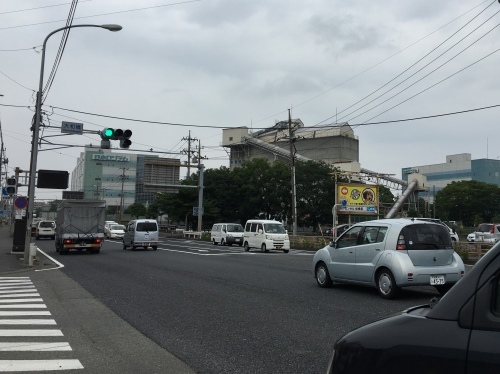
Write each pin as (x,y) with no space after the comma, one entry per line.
(13,262)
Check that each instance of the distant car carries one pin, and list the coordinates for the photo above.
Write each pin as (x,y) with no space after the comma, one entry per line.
(389,254)
(46,229)
(340,230)
(114,231)
(457,334)
(487,232)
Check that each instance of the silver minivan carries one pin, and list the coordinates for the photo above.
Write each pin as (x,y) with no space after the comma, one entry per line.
(141,233)
(389,254)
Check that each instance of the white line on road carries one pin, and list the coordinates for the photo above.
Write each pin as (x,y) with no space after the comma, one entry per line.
(11,287)
(16,321)
(19,295)
(39,365)
(9,332)
(31,300)
(16,291)
(23,306)
(34,346)
(35,313)
(51,259)
(15,278)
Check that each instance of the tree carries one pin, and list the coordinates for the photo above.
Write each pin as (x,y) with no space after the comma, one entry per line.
(136,210)
(468,201)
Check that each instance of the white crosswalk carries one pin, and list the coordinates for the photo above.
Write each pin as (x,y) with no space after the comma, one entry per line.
(21,334)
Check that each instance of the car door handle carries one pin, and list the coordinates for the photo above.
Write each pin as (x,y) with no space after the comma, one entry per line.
(377,249)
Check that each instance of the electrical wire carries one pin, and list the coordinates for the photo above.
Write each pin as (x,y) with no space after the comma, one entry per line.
(41,7)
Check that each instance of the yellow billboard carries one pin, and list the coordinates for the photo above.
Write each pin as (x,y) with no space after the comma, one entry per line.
(357,198)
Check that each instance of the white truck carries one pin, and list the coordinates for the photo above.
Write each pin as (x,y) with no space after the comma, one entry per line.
(80,225)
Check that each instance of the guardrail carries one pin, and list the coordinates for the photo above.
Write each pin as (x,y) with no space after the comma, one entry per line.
(192,234)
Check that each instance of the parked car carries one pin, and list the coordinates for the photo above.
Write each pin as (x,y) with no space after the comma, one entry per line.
(114,231)
(471,237)
(46,229)
(340,230)
(457,334)
(389,254)
(487,232)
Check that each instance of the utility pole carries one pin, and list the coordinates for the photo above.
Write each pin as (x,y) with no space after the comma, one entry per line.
(189,152)
(291,134)
(122,177)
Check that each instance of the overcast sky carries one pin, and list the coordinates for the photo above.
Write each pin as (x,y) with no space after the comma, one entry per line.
(212,64)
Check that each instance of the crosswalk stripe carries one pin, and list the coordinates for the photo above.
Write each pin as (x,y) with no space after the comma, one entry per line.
(23,306)
(16,287)
(30,300)
(34,346)
(23,313)
(19,295)
(31,321)
(12,332)
(15,291)
(39,365)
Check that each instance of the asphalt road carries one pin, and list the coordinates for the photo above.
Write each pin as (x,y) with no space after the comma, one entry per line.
(223,310)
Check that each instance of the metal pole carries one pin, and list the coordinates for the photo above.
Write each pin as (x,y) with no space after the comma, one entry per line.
(292,157)
(200,196)
(36,134)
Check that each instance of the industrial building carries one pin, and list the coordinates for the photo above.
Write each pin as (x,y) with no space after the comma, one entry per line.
(335,143)
(123,178)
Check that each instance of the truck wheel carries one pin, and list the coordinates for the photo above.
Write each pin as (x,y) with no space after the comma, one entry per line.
(155,247)
(285,250)
(96,251)
(124,246)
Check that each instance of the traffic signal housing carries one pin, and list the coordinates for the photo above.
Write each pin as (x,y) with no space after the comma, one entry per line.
(115,134)
(11,185)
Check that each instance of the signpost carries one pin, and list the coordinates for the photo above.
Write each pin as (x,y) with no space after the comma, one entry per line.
(72,128)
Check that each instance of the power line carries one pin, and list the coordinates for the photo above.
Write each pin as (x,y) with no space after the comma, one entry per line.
(40,7)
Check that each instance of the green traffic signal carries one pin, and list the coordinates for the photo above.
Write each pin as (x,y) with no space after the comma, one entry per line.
(108,133)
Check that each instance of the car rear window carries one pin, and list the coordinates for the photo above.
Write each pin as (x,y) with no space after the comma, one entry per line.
(147,226)
(47,224)
(484,227)
(426,236)
(234,228)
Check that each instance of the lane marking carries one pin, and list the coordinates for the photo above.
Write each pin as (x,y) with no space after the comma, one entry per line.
(59,265)
(23,313)
(15,291)
(31,300)
(19,295)
(34,346)
(16,287)
(10,332)
(23,306)
(39,365)
(27,322)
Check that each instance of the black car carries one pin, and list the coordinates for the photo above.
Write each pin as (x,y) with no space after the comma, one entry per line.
(340,230)
(459,333)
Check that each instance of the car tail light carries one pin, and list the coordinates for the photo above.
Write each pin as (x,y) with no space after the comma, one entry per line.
(98,240)
(492,231)
(67,241)
(401,243)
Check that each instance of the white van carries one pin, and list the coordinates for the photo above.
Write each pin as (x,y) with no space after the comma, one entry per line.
(46,229)
(141,233)
(227,233)
(266,235)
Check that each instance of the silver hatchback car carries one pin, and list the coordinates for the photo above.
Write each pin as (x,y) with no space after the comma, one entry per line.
(389,254)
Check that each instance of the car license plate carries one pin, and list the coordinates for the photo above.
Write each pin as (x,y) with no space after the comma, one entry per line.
(437,279)
(278,246)
(146,244)
(237,240)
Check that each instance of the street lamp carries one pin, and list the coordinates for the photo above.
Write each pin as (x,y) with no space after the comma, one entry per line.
(36,131)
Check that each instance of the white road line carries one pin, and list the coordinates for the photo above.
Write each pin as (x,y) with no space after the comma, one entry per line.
(207,254)
(16,291)
(23,306)
(34,346)
(15,321)
(19,295)
(12,287)
(59,265)
(31,313)
(9,332)
(39,365)
(17,278)
(31,300)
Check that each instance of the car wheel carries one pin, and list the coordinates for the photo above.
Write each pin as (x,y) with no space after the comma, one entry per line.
(323,276)
(37,237)
(133,247)
(222,242)
(124,246)
(263,248)
(53,237)
(155,247)
(247,247)
(443,288)
(386,284)
(214,242)
(285,250)
(240,244)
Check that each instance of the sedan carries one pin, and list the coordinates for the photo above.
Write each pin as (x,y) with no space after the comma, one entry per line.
(456,334)
(115,231)
(389,254)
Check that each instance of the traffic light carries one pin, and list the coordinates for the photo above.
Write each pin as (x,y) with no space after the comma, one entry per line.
(11,185)
(125,139)
(115,134)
